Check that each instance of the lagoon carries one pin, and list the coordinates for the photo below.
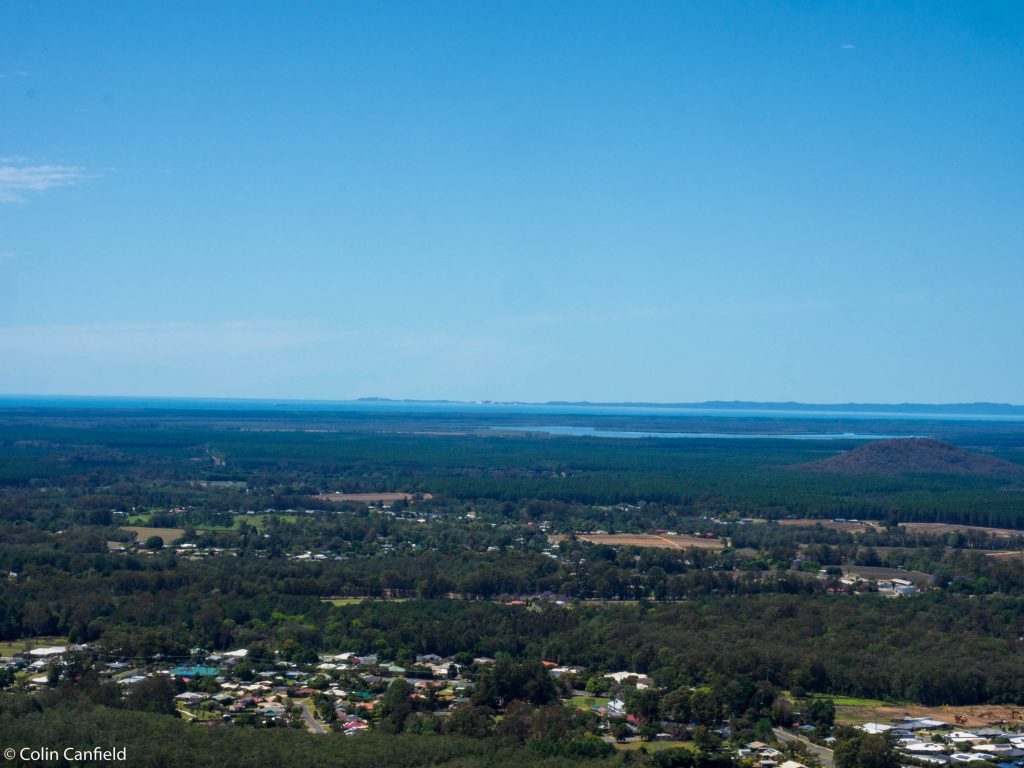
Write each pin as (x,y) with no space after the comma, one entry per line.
(612,433)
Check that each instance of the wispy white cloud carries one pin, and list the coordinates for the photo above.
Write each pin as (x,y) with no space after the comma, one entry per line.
(6,256)
(849,47)
(19,178)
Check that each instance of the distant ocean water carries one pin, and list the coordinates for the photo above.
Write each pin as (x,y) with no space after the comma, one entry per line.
(970,412)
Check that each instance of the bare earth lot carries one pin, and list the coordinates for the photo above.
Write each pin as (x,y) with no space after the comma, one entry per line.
(1004,555)
(976,716)
(368,498)
(877,572)
(646,540)
(836,525)
(938,528)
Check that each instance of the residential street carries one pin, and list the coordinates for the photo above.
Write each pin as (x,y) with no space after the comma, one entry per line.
(307,715)
(824,755)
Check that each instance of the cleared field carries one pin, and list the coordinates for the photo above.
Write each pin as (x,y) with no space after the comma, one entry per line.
(654,746)
(342,601)
(12,647)
(369,498)
(861,526)
(1001,555)
(645,540)
(939,528)
(169,535)
(974,716)
(852,701)
(878,572)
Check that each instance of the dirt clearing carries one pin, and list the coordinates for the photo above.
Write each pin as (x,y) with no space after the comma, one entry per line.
(849,526)
(940,528)
(369,498)
(973,717)
(646,540)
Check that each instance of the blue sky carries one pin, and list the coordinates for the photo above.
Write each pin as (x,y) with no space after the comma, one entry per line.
(604,201)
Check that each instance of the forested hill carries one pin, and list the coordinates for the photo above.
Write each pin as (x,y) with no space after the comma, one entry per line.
(914,456)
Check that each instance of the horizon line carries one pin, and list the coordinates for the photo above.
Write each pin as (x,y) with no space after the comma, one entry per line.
(722,404)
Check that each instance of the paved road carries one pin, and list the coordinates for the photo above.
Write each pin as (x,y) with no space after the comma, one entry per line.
(307,715)
(824,755)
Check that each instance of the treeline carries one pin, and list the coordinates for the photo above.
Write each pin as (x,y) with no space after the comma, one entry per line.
(933,650)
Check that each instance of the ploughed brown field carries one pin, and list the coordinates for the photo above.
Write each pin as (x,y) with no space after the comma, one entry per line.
(368,497)
(169,535)
(645,540)
(950,528)
(836,525)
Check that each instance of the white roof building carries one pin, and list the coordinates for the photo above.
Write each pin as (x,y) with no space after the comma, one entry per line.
(875,728)
(52,650)
(916,745)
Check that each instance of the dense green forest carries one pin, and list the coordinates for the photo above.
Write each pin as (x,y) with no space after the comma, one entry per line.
(750,477)
(157,741)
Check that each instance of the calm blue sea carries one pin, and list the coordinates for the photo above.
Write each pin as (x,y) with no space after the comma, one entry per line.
(767,411)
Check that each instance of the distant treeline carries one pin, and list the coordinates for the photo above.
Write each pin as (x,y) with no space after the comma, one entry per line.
(152,463)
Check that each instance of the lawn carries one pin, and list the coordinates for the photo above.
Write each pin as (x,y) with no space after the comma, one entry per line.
(850,701)
(588,702)
(196,714)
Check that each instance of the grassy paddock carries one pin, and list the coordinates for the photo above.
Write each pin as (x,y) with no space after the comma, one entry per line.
(12,647)
(654,746)
(851,701)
